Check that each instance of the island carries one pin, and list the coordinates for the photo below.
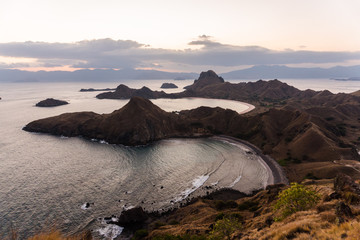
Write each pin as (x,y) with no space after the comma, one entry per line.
(168,85)
(96,90)
(302,130)
(311,134)
(51,102)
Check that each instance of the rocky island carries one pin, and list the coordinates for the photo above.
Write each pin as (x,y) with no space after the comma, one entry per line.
(312,134)
(51,102)
(302,135)
(168,85)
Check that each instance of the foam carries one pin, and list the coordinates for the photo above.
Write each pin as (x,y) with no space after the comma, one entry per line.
(196,183)
(128,207)
(85,206)
(110,231)
(214,183)
(235,182)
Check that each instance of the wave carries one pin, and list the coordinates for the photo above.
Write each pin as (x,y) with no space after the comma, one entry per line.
(111,231)
(196,183)
(235,182)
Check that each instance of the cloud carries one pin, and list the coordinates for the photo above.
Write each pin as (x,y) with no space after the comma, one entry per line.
(108,53)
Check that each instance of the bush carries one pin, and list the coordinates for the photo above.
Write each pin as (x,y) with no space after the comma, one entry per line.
(249,205)
(224,228)
(173,222)
(139,234)
(158,224)
(220,205)
(295,198)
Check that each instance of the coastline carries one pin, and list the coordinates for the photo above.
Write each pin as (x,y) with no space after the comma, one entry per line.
(275,169)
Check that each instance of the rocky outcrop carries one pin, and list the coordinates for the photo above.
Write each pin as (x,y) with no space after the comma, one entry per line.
(344,183)
(133,216)
(168,85)
(50,102)
(205,79)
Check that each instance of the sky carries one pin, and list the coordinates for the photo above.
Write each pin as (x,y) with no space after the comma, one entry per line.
(178,35)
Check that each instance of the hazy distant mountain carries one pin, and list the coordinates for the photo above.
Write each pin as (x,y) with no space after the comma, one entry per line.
(98,75)
(271,72)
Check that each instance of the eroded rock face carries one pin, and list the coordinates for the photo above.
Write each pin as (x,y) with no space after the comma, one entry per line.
(51,102)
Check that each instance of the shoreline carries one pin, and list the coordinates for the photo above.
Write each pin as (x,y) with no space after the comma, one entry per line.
(276,170)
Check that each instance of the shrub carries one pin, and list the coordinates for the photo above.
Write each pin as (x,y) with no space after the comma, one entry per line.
(295,198)
(224,228)
(311,175)
(173,222)
(220,205)
(158,224)
(219,216)
(249,205)
(139,234)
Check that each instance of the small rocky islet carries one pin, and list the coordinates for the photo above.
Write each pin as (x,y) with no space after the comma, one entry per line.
(51,102)
(168,85)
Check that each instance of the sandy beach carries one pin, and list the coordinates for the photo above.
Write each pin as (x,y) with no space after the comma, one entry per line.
(278,174)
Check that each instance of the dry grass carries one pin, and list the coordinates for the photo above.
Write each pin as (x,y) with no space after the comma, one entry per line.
(51,235)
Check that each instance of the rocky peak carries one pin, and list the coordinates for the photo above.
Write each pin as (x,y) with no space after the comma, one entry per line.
(205,79)
(141,106)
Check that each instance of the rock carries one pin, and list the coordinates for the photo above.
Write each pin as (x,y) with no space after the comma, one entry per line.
(344,183)
(50,102)
(269,220)
(133,216)
(343,211)
(168,85)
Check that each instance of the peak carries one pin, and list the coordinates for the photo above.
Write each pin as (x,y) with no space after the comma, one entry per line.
(139,100)
(139,103)
(122,87)
(209,73)
(206,78)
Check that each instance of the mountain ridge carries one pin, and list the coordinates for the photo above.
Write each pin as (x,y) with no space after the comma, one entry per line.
(255,72)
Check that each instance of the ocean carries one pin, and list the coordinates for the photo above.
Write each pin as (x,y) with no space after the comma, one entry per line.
(46,181)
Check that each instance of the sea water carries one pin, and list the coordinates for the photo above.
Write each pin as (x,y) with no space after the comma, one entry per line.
(72,184)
